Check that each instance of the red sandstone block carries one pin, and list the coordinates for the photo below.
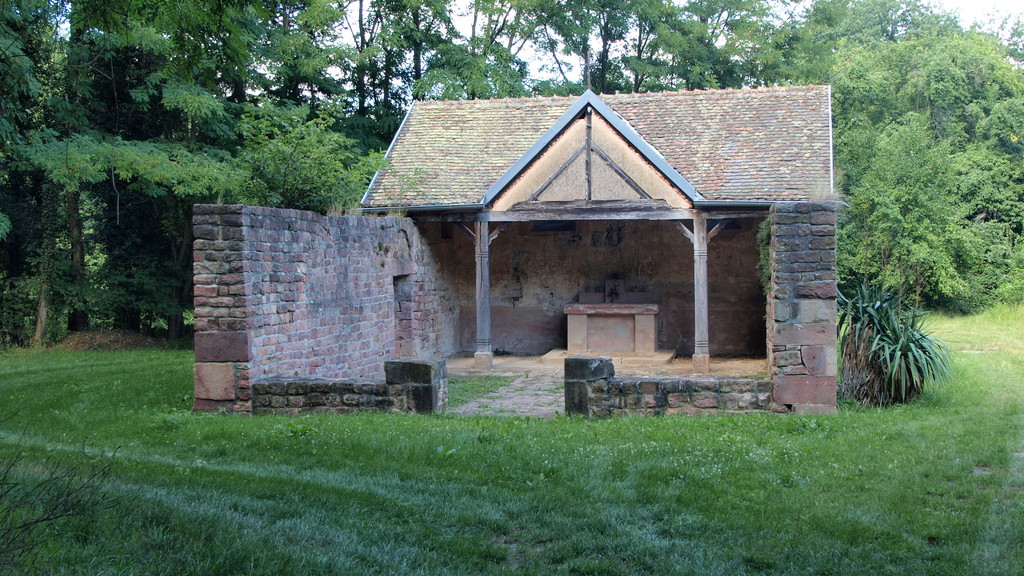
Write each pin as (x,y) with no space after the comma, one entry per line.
(706,400)
(805,390)
(791,370)
(204,405)
(222,347)
(214,381)
(804,256)
(817,334)
(822,290)
(823,243)
(819,218)
(820,360)
(815,408)
(204,291)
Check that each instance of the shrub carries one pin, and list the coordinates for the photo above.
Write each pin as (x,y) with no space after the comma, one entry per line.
(887,356)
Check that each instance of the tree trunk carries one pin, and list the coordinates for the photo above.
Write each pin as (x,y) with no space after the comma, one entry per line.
(42,308)
(78,319)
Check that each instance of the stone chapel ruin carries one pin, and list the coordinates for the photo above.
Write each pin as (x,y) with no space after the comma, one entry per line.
(623,224)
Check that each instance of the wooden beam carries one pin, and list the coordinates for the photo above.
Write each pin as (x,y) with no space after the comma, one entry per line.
(728,214)
(590,149)
(592,210)
(484,356)
(621,173)
(498,230)
(503,216)
(701,351)
(718,228)
(686,231)
(465,229)
(554,176)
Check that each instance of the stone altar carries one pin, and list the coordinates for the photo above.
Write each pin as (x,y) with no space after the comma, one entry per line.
(613,321)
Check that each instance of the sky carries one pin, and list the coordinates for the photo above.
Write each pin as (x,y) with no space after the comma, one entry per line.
(971,11)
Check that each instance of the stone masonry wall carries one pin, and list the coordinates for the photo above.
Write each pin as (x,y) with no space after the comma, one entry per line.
(801,319)
(592,390)
(286,293)
(420,387)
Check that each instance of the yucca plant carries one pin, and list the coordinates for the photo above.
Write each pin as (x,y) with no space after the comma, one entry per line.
(888,358)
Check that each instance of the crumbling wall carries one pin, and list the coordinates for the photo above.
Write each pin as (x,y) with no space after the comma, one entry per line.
(593,390)
(287,293)
(802,306)
(409,386)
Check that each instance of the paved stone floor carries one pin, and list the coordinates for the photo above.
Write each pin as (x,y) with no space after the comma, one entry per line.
(537,390)
(538,395)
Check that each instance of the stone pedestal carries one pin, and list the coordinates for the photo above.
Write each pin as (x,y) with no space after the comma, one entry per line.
(483,360)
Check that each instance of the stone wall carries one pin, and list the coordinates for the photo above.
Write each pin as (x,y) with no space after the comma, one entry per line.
(420,387)
(801,319)
(286,293)
(592,390)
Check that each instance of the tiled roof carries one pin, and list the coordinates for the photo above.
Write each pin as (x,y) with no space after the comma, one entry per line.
(750,144)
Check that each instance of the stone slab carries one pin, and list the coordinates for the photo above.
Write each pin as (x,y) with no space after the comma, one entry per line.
(611,334)
(576,398)
(816,334)
(588,368)
(413,371)
(806,390)
(214,381)
(577,333)
(616,309)
(557,357)
(222,346)
(645,334)
(820,360)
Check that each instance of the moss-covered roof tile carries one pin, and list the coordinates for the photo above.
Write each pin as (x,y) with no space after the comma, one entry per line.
(750,144)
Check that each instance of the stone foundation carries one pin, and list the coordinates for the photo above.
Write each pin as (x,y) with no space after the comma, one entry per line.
(592,390)
(419,387)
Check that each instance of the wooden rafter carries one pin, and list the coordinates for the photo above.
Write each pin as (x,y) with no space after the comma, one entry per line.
(554,175)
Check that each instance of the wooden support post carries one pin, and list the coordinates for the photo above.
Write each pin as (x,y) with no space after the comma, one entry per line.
(484,356)
(701,352)
(590,153)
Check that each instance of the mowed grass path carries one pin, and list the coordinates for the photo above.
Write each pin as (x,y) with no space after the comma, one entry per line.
(931,488)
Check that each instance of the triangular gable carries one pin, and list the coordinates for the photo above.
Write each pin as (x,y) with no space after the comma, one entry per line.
(623,164)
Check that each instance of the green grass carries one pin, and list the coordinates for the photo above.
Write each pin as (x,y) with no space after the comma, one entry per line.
(928,488)
(467,389)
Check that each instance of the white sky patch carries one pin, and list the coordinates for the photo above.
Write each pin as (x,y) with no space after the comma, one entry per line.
(982,11)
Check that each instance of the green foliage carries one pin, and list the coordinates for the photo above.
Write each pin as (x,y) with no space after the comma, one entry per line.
(116,115)
(925,120)
(764,254)
(888,358)
(297,161)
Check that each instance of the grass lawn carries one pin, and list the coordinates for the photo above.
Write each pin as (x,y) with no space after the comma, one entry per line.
(936,487)
(462,390)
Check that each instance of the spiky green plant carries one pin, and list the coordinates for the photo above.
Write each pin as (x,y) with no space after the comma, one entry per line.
(888,357)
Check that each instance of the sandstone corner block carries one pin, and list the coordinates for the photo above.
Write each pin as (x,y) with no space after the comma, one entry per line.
(796,390)
(214,381)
